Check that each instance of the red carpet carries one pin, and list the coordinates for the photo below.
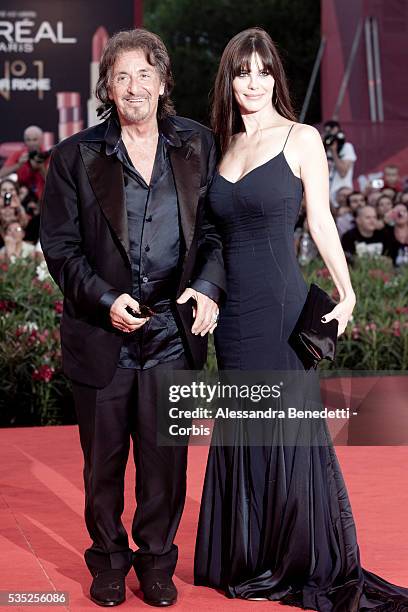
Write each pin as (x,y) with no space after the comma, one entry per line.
(43,534)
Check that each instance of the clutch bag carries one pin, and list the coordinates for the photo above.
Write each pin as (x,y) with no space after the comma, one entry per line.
(312,339)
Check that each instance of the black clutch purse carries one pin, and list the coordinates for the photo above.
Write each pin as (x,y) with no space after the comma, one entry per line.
(312,339)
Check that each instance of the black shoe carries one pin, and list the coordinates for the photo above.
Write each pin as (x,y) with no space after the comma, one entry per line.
(108,587)
(158,588)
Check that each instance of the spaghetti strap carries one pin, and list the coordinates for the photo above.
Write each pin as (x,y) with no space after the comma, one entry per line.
(287,137)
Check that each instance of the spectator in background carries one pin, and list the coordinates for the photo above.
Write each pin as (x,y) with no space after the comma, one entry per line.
(341,196)
(32,207)
(28,215)
(28,200)
(356,200)
(345,219)
(341,157)
(364,238)
(14,244)
(10,205)
(373,196)
(383,206)
(403,199)
(392,178)
(396,234)
(390,192)
(30,163)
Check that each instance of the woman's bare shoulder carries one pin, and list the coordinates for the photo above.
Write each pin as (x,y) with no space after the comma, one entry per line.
(306,133)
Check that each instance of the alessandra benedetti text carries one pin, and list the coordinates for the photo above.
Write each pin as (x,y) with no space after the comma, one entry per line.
(269,413)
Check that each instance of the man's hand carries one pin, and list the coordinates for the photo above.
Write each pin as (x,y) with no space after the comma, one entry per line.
(205,311)
(121,319)
(342,165)
(334,147)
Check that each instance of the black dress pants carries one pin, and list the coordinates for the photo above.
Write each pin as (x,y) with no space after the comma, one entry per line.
(107,419)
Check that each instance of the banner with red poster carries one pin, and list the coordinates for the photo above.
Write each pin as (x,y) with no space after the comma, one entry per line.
(49,58)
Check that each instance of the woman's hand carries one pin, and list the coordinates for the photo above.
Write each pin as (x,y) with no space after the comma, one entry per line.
(342,312)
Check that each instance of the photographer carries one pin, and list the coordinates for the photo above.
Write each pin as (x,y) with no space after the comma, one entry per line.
(30,163)
(340,156)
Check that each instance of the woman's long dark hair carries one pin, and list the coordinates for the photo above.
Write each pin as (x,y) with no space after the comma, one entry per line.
(225,116)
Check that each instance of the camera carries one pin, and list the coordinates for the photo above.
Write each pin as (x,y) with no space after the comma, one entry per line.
(7,199)
(328,140)
(377,183)
(39,156)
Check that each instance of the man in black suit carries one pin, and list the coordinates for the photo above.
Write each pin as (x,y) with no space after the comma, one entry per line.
(125,229)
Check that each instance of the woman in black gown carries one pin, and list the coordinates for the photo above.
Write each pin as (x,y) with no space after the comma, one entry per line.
(275,520)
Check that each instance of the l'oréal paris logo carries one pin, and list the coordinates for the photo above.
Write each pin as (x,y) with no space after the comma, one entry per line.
(22,35)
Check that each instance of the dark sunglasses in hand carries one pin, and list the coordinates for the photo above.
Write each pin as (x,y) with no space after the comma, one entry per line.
(144,311)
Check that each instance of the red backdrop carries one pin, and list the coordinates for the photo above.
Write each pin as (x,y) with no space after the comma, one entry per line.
(376,143)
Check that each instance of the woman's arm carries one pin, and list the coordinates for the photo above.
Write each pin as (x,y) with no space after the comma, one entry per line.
(314,174)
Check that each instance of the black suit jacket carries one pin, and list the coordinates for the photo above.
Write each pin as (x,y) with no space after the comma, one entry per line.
(84,236)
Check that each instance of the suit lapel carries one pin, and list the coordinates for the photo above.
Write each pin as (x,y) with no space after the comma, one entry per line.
(106,177)
(185,162)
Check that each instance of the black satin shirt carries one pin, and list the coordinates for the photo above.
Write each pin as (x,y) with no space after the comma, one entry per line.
(155,252)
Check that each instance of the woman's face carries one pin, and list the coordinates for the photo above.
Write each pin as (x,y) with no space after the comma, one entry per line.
(253,88)
(15,231)
(7,187)
(400,214)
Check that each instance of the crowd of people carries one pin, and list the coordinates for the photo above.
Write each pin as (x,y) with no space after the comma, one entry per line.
(22,181)
(372,223)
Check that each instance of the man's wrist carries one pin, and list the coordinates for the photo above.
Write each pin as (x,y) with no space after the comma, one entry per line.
(108,298)
(207,288)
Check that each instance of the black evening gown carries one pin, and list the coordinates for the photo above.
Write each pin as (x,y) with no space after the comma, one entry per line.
(275,520)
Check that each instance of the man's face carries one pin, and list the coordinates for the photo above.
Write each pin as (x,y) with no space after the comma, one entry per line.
(32,139)
(135,87)
(367,219)
(334,129)
(356,200)
(384,205)
(388,191)
(373,197)
(342,194)
(391,175)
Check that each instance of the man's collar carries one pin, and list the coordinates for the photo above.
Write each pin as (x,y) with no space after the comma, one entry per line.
(169,132)
(113,134)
